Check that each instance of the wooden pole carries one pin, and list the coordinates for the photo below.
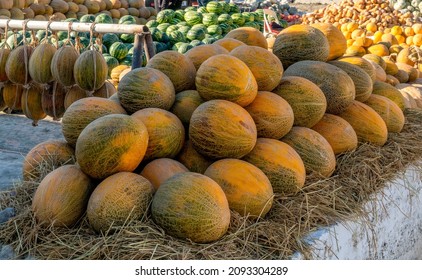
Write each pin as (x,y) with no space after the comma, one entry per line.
(138,51)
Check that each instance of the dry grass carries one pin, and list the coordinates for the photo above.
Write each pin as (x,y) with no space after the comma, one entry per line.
(359,175)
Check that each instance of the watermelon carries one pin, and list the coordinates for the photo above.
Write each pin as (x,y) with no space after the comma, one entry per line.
(179,14)
(209,40)
(128,19)
(238,19)
(152,23)
(111,62)
(209,19)
(234,8)
(226,28)
(103,18)
(176,36)
(165,16)
(184,29)
(190,8)
(127,38)
(214,30)
(196,34)
(214,7)
(225,6)
(109,39)
(225,18)
(195,43)
(156,34)
(127,60)
(118,50)
(184,47)
(163,26)
(87,18)
(202,10)
(171,28)
(248,16)
(193,17)
(174,21)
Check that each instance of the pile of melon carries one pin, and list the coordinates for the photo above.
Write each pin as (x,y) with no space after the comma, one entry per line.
(191,138)
(63,9)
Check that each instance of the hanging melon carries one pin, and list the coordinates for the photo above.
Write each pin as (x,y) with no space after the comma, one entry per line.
(90,70)
(62,65)
(4,55)
(32,103)
(40,63)
(17,65)
(191,206)
(117,200)
(247,188)
(73,94)
(12,96)
(53,100)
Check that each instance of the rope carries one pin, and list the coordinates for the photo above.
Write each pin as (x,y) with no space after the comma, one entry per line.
(25,53)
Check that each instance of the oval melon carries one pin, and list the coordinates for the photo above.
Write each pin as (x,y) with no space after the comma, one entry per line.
(191,206)
(117,200)
(111,144)
(281,163)
(222,129)
(315,151)
(367,123)
(388,110)
(247,188)
(338,132)
(336,84)
(161,169)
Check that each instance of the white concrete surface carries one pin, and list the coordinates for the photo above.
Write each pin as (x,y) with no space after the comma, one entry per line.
(392,229)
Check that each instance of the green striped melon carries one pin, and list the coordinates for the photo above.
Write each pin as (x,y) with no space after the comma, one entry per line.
(209,19)
(214,7)
(240,87)
(222,129)
(306,99)
(118,50)
(315,151)
(144,88)
(280,163)
(193,17)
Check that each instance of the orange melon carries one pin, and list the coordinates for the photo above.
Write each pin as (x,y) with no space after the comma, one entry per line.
(390,92)
(301,42)
(161,169)
(222,129)
(166,133)
(280,163)
(62,196)
(117,200)
(186,102)
(193,160)
(248,35)
(367,123)
(144,88)
(191,206)
(229,43)
(315,151)
(177,67)
(45,157)
(362,63)
(388,110)
(361,79)
(337,86)
(306,99)
(111,144)
(272,115)
(239,86)
(338,132)
(82,112)
(336,40)
(201,53)
(265,66)
(247,188)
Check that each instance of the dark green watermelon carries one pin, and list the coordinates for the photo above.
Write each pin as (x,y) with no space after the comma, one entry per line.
(109,39)
(118,50)
(103,18)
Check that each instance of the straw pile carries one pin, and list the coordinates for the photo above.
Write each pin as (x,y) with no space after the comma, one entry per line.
(359,175)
